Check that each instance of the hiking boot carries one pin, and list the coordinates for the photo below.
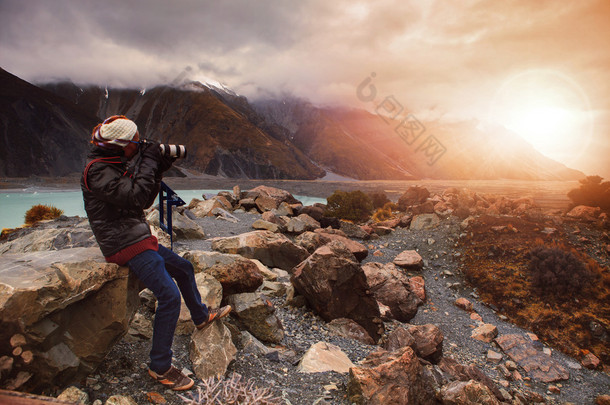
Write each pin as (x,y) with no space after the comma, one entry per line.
(173,378)
(214,314)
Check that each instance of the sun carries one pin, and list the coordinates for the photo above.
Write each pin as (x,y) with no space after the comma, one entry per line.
(548,110)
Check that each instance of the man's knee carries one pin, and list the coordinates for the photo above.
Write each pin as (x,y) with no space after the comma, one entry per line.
(170,297)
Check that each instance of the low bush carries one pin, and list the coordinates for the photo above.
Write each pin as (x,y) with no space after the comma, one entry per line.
(352,206)
(40,213)
(379,199)
(592,192)
(555,271)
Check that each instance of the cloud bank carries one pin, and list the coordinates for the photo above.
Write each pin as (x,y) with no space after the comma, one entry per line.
(438,58)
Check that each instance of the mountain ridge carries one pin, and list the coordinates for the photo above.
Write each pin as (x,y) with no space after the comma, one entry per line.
(41,133)
(227,135)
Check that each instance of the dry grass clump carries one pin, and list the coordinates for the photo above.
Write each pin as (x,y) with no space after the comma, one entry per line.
(40,213)
(6,232)
(384,213)
(232,390)
(540,283)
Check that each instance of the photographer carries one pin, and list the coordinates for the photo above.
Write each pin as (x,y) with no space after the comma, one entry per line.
(121,179)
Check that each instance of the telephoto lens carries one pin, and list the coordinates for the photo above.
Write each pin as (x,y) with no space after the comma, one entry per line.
(175,151)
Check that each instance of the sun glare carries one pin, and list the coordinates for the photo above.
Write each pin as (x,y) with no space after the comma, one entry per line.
(543,126)
(548,110)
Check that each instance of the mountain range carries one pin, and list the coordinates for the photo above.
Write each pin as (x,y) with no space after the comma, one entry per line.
(46,128)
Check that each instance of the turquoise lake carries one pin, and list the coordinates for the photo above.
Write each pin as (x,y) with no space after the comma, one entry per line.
(13,205)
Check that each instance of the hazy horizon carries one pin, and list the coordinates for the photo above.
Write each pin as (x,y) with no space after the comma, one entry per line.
(538,69)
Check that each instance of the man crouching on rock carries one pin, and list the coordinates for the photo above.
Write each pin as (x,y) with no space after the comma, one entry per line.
(122,178)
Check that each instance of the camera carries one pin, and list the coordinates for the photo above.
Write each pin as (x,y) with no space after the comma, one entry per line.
(168,150)
(175,151)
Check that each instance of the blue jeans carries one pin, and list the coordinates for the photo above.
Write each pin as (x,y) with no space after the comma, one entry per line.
(156,270)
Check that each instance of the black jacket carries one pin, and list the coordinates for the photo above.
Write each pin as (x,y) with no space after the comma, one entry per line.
(116,191)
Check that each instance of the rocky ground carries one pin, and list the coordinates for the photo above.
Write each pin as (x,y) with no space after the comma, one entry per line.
(124,371)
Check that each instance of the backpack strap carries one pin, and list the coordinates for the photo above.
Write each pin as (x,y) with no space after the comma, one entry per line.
(103,159)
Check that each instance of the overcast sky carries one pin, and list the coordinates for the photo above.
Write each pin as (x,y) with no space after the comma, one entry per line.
(437,58)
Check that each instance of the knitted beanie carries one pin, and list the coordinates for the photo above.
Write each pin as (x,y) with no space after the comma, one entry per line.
(116,130)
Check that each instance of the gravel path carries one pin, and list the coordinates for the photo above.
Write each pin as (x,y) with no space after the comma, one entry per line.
(124,369)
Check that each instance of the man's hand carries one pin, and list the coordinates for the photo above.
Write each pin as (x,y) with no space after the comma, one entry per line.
(152,150)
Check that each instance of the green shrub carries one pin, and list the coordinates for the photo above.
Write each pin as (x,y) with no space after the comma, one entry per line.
(352,205)
(592,192)
(40,213)
(557,271)
(379,199)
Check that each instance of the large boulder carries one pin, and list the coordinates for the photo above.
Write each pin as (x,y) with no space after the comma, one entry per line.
(443,209)
(410,260)
(302,223)
(69,308)
(456,371)
(257,314)
(467,393)
(397,339)
(182,226)
(235,273)
(262,225)
(424,208)
(228,197)
(61,233)
(275,193)
(210,290)
(413,196)
(428,341)
(265,203)
(322,357)
(418,286)
(424,221)
(350,329)
(247,204)
(389,378)
(275,219)
(313,240)
(392,288)
(204,208)
(50,239)
(272,249)
(353,231)
(584,213)
(212,350)
(530,356)
(335,286)
(286,210)
(315,212)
